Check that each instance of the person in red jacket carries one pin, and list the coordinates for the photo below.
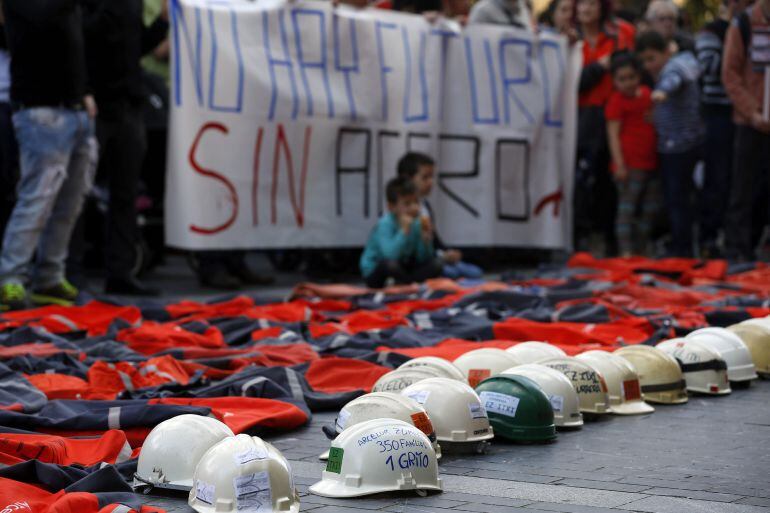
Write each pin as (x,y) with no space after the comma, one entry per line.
(595,196)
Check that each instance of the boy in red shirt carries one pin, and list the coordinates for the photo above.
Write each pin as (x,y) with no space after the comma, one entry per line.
(632,142)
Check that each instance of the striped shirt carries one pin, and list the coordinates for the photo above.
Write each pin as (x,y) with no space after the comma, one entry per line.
(677,120)
(708,47)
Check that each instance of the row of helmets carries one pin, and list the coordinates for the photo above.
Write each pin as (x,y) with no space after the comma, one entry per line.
(392,438)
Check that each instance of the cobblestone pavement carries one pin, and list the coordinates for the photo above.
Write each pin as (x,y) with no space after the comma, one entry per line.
(709,455)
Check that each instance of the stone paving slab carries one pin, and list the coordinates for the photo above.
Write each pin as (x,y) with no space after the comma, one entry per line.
(710,455)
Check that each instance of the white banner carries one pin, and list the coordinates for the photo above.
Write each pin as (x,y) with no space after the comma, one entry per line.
(288,119)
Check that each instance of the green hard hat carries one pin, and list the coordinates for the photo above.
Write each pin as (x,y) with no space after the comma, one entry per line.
(518,408)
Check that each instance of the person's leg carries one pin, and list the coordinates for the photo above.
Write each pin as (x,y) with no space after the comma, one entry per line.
(213,272)
(625,216)
(9,166)
(384,270)
(651,203)
(52,250)
(747,150)
(677,170)
(717,159)
(126,154)
(46,139)
(426,270)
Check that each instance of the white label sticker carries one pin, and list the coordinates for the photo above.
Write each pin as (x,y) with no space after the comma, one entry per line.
(500,403)
(204,492)
(420,397)
(251,454)
(342,419)
(477,411)
(557,402)
(253,494)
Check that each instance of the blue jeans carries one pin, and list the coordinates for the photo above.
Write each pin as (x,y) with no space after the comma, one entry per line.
(58,154)
(676,170)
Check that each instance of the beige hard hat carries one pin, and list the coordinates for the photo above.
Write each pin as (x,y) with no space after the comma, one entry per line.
(454,409)
(480,364)
(659,373)
(562,395)
(444,366)
(756,336)
(533,352)
(587,382)
(243,473)
(622,382)
(397,380)
(704,369)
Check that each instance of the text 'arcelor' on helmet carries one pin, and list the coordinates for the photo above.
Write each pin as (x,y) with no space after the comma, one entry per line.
(659,374)
(243,473)
(561,394)
(480,364)
(518,409)
(446,367)
(173,449)
(381,455)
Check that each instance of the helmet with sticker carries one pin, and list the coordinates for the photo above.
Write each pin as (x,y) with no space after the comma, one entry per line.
(622,382)
(380,455)
(587,382)
(480,364)
(660,377)
(444,366)
(561,394)
(243,473)
(533,352)
(517,407)
(454,409)
(173,449)
(383,405)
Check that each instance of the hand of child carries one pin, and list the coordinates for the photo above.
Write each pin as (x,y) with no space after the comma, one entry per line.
(452,256)
(427,228)
(405,220)
(659,96)
(605,62)
(621,173)
(759,123)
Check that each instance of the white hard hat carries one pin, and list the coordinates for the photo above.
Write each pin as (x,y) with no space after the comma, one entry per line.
(173,448)
(439,364)
(399,379)
(659,374)
(380,455)
(558,388)
(622,382)
(384,405)
(454,409)
(533,352)
(243,473)
(480,364)
(704,370)
(740,366)
(587,382)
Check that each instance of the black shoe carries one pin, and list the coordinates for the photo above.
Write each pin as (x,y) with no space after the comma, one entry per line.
(219,279)
(249,277)
(128,287)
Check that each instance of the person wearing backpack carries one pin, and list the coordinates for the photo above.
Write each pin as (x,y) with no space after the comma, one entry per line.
(746,57)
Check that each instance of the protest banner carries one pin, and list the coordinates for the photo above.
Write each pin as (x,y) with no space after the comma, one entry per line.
(288,119)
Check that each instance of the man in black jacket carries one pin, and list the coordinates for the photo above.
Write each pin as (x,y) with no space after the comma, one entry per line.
(53,121)
(116,39)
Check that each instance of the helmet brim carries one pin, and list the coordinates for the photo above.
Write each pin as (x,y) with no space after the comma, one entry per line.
(632,408)
(338,490)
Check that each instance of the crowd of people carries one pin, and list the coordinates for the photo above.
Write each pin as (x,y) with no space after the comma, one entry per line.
(673,148)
